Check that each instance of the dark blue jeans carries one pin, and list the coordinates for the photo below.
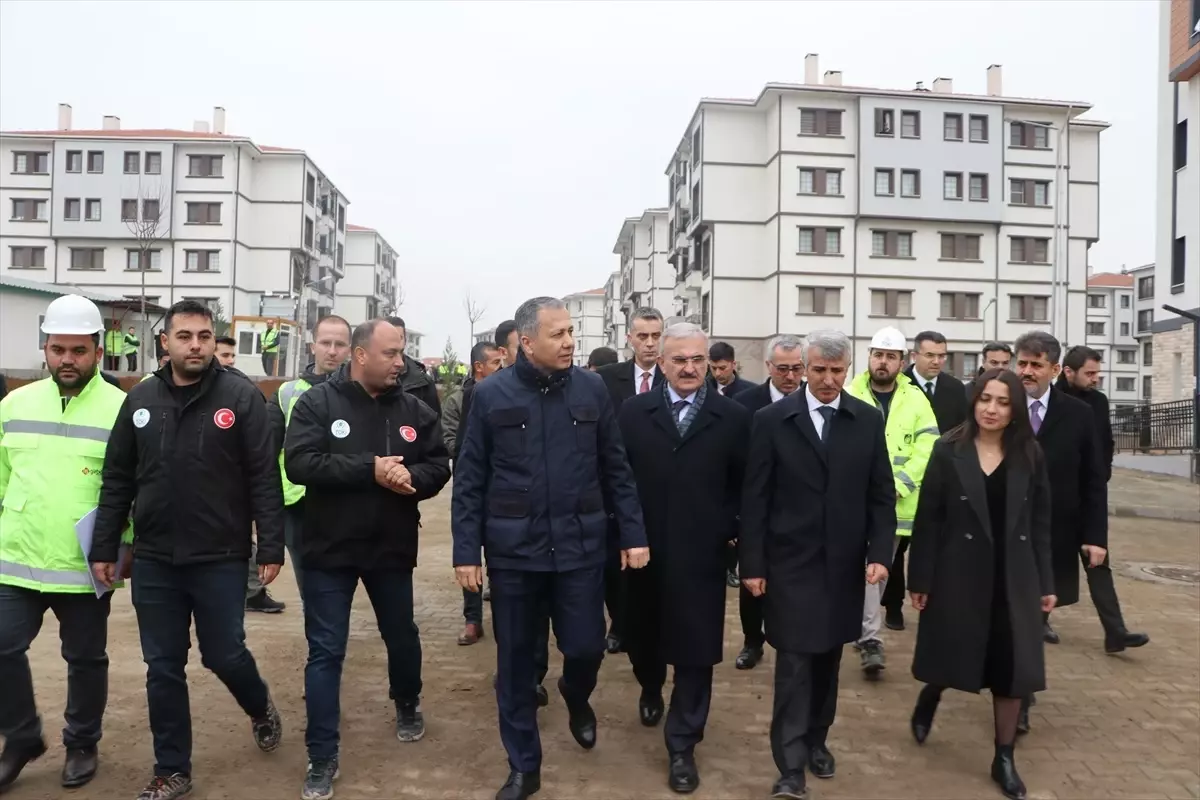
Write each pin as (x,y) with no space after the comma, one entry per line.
(327,596)
(83,631)
(166,599)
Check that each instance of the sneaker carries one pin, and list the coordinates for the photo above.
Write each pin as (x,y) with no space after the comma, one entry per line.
(871,658)
(410,722)
(318,781)
(264,603)
(167,787)
(268,730)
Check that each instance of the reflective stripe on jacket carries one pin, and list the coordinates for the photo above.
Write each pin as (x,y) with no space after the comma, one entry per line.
(289,393)
(51,462)
(911,431)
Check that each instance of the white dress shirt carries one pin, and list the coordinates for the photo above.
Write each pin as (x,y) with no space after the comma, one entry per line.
(926,384)
(818,421)
(675,398)
(776,395)
(638,372)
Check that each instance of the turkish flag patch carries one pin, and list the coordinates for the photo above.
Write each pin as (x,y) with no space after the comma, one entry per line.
(224,419)
(408,433)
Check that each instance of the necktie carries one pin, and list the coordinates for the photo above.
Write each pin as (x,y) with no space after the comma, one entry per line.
(1035,417)
(826,413)
(677,409)
(929,389)
(645,387)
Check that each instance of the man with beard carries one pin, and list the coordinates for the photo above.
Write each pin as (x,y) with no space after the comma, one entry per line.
(414,378)
(52,436)
(911,428)
(192,446)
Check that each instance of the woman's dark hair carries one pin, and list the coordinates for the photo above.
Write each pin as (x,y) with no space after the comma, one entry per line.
(1018,436)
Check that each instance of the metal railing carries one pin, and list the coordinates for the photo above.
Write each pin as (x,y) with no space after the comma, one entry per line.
(1155,426)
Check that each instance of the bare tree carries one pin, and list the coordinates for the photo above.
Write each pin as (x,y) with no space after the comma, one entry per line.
(147,223)
(475,311)
(400,295)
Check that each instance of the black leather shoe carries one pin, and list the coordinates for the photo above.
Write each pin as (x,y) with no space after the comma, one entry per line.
(683,777)
(581,720)
(821,762)
(748,658)
(1126,640)
(1004,773)
(924,712)
(543,697)
(520,785)
(1049,635)
(893,618)
(613,644)
(14,759)
(650,709)
(790,787)
(80,766)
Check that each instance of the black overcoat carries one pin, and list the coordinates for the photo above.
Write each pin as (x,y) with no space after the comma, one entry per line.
(951,558)
(813,515)
(690,489)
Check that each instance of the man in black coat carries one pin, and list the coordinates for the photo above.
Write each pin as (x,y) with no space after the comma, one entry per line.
(367,453)
(687,448)
(819,503)
(414,378)
(722,365)
(541,459)
(785,367)
(1079,379)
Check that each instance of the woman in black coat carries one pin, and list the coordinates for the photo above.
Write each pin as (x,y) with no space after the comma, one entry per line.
(980,567)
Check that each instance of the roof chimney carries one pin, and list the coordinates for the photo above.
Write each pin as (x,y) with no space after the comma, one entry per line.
(833,77)
(995,87)
(64,116)
(112,123)
(200,126)
(943,85)
(812,73)
(218,119)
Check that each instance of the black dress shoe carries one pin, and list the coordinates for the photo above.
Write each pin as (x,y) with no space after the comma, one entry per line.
(1049,635)
(650,709)
(821,762)
(893,618)
(1125,640)
(520,785)
(80,766)
(683,777)
(543,697)
(924,712)
(1004,773)
(613,644)
(581,720)
(748,658)
(790,787)
(14,759)
(731,579)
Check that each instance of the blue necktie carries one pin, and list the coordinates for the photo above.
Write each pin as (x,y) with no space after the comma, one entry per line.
(826,413)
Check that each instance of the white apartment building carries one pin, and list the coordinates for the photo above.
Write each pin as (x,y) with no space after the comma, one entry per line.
(412,344)
(1143,324)
(587,316)
(647,277)
(1112,331)
(199,214)
(614,315)
(818,205)
(368,288)
(1177,237)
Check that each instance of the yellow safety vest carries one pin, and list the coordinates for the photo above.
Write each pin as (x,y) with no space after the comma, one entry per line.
(270,340)
(289,393)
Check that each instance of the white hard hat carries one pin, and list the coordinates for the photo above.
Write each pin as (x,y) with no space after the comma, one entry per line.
(72,314)
(889,339)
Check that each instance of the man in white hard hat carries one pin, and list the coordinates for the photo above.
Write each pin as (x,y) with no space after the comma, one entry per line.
(911,428)
(52,438)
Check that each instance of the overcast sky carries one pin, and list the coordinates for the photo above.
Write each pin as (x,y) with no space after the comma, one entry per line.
(498,146)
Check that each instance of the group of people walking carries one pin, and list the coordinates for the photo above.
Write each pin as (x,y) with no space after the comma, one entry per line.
(638,485)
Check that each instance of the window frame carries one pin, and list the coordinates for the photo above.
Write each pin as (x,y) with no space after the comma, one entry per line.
(125,203)
(916,175)
(985,194)
(77,156)
(891,303)
(31,156)
(914,116)
(202,254)
(947,118)
(93,252)
(94,157)
(147,162)
(137,162)
(32,203)
(957,177)
(149,259)
(820,301)
(961,242)
(33,253)
(1028,304)
(891,180)
(823,122)
(78,201)
(960,306)
(891,246)
(973,118)
(215,165)
(207,207)
(820,182)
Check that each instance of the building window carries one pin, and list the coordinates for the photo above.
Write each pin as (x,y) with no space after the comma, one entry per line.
(696,136)
(820,181)
(91,258)
(27,257)
(891,244)
(1148,354)
(885,182)
(819,300)
(1023,134)
(1147,386)
(29,210)
(1028,308)
(71,209)
(952,186)
(1178,259)
(150,210)
(204,213)
(95,161)
(1125,384)
(910,183)
(133,160)
(205,166)
(891,303)
(308,233)
(961,246)
(979,128)
(1126,356)
(1146,288)
(153,163)
(1095,329)
(1027,250)
(341,256)
(962,365)
(819,122)
(143,260)
(952,128)
(959,305)
(74,161)
(1124,328)
(91,209)
(885,122)
(341,217)
(820,241)
(1125,300)
(1145,320)
(1097,301)
(910,124)
(1029,193)
(705,311)
(129,210)
(35,163)
(1181,136)
(310,188)
(979,186)
(202,260)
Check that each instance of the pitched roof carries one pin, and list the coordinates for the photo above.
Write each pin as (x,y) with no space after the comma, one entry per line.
(353,227)
(1110,279)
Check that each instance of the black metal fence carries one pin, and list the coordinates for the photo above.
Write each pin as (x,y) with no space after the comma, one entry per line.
(1155,426)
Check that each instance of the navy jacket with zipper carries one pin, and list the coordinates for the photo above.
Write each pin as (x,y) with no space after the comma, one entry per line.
(541,454)
(335,433)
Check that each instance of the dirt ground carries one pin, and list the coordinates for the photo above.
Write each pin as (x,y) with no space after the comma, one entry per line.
(1125,726)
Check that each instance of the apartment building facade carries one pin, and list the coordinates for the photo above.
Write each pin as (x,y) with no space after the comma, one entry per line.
(368,288)
(587,316)
(822,206)
(614,316)
(647,278)
(196,214)
(1112,331)
(1177,237)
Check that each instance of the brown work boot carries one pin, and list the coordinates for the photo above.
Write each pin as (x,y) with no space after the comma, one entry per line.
(471,634)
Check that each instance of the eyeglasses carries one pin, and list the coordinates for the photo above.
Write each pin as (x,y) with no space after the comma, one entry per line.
(788,369)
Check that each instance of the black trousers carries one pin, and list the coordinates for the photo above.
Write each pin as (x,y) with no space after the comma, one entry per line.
(614,592)
(750,609)
(83,631)
(893,591)
(806,686)
(691,697)
(131,358)
(1104,597)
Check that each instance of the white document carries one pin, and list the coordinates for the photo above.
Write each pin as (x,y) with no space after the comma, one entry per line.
(83,532)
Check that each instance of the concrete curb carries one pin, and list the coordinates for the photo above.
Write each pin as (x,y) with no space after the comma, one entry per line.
(1155,512)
